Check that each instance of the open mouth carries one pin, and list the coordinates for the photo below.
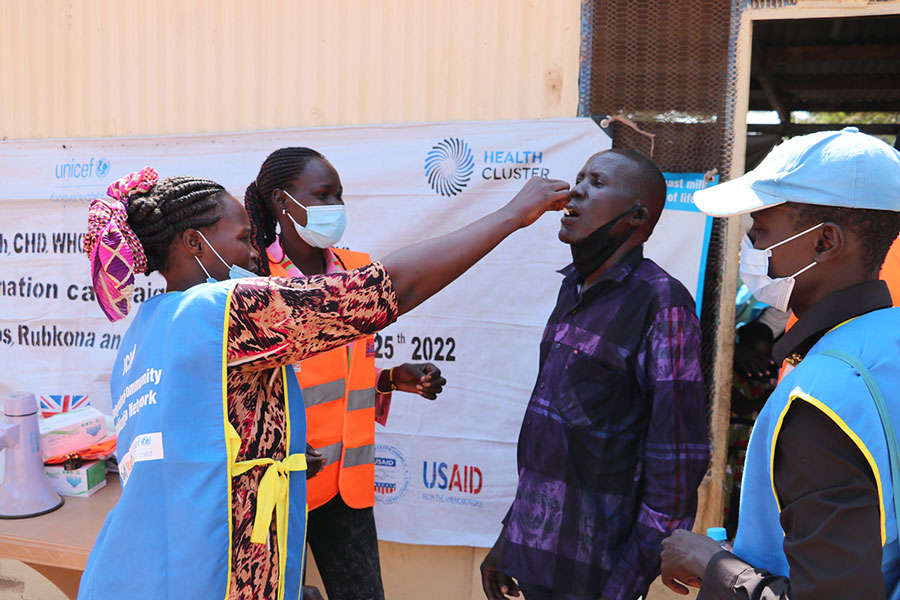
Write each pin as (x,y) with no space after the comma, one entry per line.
(570,212)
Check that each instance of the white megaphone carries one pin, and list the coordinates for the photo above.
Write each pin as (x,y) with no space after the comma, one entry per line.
(26,491)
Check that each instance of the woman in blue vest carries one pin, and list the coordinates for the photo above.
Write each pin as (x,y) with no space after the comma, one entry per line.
(818,511)
(208,413)
(297,216)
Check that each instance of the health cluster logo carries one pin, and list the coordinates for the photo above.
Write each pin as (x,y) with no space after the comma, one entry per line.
(449,166)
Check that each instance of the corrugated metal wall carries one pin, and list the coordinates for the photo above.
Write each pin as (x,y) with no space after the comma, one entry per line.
(118,68)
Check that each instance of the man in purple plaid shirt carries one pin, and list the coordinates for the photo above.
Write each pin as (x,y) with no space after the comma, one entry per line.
(614,441)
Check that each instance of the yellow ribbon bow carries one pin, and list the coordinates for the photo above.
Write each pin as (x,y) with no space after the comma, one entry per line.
(273,495)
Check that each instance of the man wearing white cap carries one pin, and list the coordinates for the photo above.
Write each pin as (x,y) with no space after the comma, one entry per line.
(818,516)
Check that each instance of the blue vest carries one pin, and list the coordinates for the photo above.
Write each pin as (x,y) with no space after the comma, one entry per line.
(169,536)
(834,387)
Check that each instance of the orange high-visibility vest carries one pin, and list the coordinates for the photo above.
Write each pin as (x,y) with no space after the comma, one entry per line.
(339,393)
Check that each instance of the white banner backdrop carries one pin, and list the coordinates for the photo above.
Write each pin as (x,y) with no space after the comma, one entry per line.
(445,470)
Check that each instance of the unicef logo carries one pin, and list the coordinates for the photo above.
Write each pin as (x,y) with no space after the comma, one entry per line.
(73,168)
(391,474)
(102,166)
(449,166)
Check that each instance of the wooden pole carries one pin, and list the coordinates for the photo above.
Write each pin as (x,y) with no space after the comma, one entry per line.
(712,492)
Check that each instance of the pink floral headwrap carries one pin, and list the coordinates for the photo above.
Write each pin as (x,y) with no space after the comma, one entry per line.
(114,250)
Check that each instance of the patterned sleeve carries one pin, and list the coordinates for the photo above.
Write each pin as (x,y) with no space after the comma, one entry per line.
(275,321)
(676,451)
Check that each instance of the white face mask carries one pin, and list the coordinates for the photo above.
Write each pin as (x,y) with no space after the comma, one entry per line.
(324,224)
(755,273)
(234,271)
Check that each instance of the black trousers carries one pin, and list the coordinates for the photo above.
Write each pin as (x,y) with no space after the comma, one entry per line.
(345,545)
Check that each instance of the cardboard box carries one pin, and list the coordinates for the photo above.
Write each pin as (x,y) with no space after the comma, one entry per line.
(71,431)
(84,481)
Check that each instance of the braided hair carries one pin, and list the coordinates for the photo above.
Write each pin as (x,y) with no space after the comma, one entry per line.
(173,205)
(277,172)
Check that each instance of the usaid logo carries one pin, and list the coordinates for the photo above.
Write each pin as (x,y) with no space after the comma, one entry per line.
(451,477)
(391,474)
(449,166)
(97,166)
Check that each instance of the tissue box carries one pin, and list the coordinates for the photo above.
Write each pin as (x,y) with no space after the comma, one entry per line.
(71,431)
(80,482)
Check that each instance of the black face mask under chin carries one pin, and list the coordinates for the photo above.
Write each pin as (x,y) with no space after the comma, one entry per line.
(590,253)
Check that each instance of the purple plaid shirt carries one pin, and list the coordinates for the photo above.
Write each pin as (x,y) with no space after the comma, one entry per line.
(614,441)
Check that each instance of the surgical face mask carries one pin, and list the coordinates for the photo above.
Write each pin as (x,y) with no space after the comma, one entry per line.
(234,271)
(324,224)
(755,273)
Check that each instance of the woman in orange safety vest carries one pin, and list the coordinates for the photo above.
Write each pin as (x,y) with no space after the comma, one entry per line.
(297,216)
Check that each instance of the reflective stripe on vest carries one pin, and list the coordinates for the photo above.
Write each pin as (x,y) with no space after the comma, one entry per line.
(360,399)
(339,393)
(324,392)
(364,455)
(332,452)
